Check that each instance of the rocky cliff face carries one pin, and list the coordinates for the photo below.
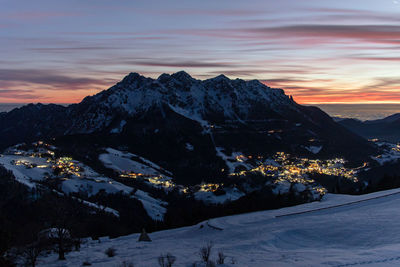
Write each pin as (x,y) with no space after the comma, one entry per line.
(214,100)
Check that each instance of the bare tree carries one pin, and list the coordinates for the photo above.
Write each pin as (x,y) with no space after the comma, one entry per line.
(60,233)
(166,260)
(62,237)
(221,258)
(161,260)
(170,260)
(205,252)
(31,253)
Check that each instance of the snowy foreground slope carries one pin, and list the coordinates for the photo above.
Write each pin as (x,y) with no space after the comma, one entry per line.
(352,231)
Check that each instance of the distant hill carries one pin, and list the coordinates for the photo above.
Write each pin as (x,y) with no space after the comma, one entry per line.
(386,129)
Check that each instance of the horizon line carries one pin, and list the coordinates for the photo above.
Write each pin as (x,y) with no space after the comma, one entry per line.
(304,103)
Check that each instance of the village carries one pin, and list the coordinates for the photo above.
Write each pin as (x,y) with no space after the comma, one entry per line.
(282,169)
(294,169)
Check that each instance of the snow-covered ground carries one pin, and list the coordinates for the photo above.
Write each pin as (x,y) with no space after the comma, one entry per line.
(392,153)
(232,161)
(231,194)
(155,208)
(314,149)
(24,175)
(122,162)
(132,166)
(30,169)
(88,181)
(340,230)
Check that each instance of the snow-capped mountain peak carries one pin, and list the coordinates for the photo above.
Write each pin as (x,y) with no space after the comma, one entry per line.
(182,76)
(218,98)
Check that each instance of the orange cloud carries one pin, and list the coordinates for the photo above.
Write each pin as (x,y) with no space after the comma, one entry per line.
(383,91)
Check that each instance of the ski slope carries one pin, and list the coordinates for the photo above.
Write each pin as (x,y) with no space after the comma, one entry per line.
(340,230)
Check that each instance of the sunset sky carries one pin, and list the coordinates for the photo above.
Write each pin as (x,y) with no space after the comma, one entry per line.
(318,51)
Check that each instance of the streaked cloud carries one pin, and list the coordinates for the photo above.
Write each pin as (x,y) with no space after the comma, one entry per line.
(182,64)
(330,51)
(385,34)
(16,94)
(49,78)
(319,33)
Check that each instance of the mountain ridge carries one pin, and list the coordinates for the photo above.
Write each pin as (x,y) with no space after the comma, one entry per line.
(387,129)
(241,115)
(221,96)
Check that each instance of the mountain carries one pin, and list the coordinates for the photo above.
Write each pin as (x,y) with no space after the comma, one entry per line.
(32,122)
(386,129)
(212,101)
(390,119)
(160,118)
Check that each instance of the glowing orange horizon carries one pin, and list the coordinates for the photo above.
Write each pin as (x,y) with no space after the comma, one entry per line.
(303,91)
(301,99)
(301,94)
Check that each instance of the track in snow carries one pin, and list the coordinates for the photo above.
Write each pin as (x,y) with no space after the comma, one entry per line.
(336,206)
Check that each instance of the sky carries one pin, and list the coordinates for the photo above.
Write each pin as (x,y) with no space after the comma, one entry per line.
(330,51)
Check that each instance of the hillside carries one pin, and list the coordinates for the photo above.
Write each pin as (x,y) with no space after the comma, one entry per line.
(334,233)
(387,129)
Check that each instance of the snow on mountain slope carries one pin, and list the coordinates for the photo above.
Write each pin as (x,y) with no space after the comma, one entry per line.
(122,162)
(93,186)
(29,168)
(231,194)
(195,99)
(341,230)
(119,128)
(155,208)
(314,149)
(231,161)
(131,166)
(22,174)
